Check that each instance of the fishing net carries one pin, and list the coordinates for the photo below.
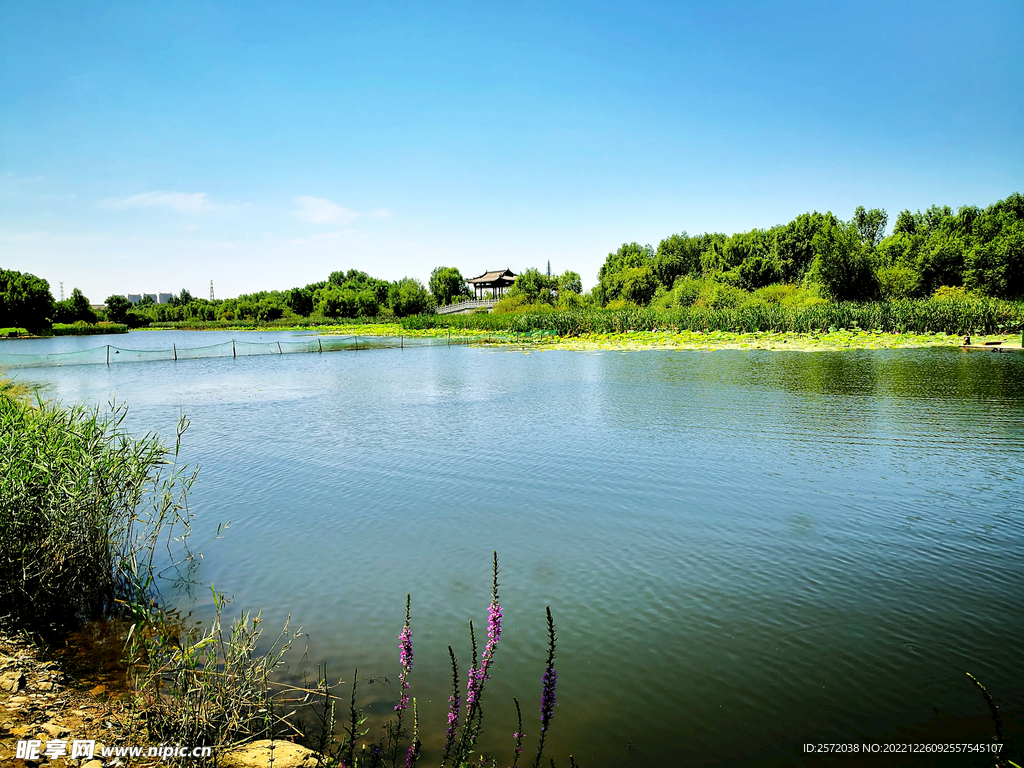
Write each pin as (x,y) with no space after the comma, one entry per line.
(111,355)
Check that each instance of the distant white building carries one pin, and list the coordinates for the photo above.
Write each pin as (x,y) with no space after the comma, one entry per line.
(159,298)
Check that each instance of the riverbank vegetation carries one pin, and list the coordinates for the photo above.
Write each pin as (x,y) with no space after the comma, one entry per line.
(82,328)
(82,509)
(952,315)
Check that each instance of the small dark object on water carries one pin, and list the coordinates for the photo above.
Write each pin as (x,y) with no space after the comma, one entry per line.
(992,343)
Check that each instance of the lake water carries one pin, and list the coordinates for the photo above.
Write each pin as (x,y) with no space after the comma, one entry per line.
(744,552)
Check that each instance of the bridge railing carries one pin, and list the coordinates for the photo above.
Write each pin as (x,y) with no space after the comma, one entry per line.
(464,305)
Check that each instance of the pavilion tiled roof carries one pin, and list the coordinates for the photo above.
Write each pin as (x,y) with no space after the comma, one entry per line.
(493,276)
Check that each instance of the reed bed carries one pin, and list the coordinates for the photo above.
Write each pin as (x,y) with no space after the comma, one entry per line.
(954,316)
(83,507)
(87,329)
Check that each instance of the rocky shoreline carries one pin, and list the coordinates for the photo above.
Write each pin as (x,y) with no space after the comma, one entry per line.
(40,700)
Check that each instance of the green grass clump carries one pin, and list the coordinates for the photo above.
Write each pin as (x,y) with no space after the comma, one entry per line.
(12,332)
(82,506)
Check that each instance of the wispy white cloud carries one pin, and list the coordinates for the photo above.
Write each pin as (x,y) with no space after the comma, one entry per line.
(184,202)
(320,210)
(380,213)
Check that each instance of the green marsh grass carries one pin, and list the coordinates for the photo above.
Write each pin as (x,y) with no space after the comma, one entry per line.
(955,316)
(87,329)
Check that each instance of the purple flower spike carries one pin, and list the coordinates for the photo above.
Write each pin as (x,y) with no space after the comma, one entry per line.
(547,694)
(547,697)
(405,659)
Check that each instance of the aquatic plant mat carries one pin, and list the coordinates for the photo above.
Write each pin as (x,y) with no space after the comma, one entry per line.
(109,354)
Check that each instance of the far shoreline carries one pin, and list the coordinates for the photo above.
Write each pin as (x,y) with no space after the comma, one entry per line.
(657,339)
(708,341)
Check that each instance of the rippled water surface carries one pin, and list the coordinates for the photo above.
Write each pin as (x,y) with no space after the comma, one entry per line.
(744,551)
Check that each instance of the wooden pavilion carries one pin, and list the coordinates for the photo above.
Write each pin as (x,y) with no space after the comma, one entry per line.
(496,281)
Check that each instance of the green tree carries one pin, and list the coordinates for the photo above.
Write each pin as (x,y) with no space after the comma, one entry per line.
(630,256)
(870,225)
(334,301)
(447,284)
(408,297)
(199,309)
(181,299)
(569,282)
(534,285)
(117,308)
(300,301)
(759,270)
(997,267)
(940,261)
(840,264)
(366,304)
(637,285)
(25,301)
(908,223)
(898,282)
(677,256)
(793,247)
(74,309)
(267,311)
(340,278)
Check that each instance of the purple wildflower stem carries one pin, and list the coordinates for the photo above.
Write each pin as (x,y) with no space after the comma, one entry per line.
(518,735)
(413,755)
(548,684)
(478,674)
(454,707)
(405,660)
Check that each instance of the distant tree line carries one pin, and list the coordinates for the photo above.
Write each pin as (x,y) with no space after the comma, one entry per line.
(813,259)
(818,257)
(26,302)
(350,294)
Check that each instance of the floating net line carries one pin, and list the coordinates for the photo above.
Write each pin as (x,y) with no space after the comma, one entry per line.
(108,354)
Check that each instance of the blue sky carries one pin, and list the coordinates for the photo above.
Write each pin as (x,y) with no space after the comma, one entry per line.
(150,147)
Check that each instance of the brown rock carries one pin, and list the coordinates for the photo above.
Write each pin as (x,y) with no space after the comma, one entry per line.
(12,682)
(44,686)
(55,731)
(258,755)
(93,764)
(99,689)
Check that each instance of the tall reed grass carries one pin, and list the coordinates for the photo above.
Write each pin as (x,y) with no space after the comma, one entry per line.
(87,329)
(955,316)
(206,686)
(84,508)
